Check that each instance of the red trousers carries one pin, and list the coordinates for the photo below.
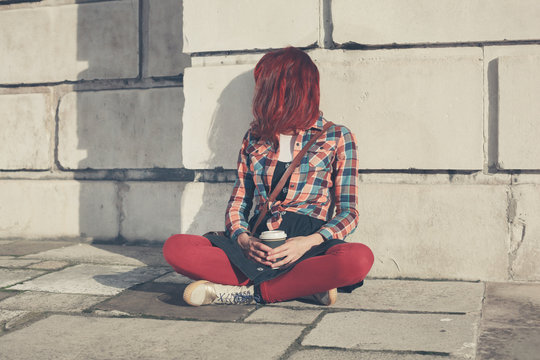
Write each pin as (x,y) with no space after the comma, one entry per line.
(341,265)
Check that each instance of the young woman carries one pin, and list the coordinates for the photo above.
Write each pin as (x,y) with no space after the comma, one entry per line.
(238,267)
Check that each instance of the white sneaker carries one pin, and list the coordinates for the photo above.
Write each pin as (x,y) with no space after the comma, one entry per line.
(204,292)
(325,298)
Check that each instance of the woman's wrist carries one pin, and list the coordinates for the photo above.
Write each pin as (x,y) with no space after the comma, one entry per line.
(316,239)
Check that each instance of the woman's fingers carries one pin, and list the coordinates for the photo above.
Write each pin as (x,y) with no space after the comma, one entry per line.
(260,246)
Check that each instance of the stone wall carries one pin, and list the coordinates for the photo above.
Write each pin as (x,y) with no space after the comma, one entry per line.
(122,120)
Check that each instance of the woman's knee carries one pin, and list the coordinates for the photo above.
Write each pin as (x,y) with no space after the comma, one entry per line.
(178,246)
(355,261)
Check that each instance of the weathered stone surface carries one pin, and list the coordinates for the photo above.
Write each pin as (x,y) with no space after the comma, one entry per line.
(173,278)
(406,295)
(6,294)
(525,241)
(165,38)
(216,115)
(397,21)
(163,207)
(510,304)
(65,208)
(12,276)
(412,108)
(453,334)
(43,301)
(324,354)
(121,129)
(519,90)
(27,127)
(92,279)
(104,254)
(407,108)
(16,263)
(25,247)
(165,300)
(281,315)
(420,231)
(145,339)
(217,25)
(69,42)
(203,207)
(49,265)
(502,343)
(8,315)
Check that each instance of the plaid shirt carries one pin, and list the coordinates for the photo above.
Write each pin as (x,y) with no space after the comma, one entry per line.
(330,164)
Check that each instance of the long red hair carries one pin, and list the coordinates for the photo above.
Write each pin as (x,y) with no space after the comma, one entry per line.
(286,94)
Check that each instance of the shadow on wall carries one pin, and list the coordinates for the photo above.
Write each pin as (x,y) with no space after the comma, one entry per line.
(123,128)
(224,140)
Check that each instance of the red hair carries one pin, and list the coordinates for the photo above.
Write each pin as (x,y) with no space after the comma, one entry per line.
(286,94)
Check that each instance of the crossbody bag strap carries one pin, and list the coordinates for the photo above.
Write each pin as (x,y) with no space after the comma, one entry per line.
(296,161)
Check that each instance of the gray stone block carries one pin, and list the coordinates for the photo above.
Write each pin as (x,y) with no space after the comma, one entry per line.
(12,276)
(280,315)
(165,300)
(121,129)
(165,40)
(454,334)
(423,21)
(104,254)
(406,295)
(43,301)
(324,354)
(57,208)
(511,304)
(146,339)
(92,279)
(27,128)
(222,25)
(519,89)
(69,42)
(420,231)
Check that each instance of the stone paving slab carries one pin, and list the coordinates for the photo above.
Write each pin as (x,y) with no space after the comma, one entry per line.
(6,294)
(409,295)
(503,343)
(510,322)
(114,338)
(92,279)
(165,300)
(16,263)
(282,315)
(7,315)
(25,247)
(512,304)
(101,254)
(453,334)
(324,354)
(41,301)
(49,265)
(12,276)
(174,278)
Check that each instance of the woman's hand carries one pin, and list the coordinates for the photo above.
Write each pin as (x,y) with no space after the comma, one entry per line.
(293,249)
(254,248)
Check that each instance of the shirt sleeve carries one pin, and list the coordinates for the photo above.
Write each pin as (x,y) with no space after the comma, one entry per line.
(345,177)
(241,200)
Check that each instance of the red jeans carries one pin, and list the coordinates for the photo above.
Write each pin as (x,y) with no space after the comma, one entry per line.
(341,265)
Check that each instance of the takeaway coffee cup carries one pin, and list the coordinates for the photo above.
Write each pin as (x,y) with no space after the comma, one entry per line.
(273,238)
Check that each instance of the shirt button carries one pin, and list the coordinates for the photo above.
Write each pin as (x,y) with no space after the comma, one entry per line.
(292,186)
(297,144)
(284,190)
(283,212)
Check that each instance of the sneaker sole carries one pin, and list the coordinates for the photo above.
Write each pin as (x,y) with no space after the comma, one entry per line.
(190,289)
(332,296)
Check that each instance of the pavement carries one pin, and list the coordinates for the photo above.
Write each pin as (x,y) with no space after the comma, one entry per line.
(67,300)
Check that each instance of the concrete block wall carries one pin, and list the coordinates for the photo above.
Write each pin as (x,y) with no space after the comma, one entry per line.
(122,120)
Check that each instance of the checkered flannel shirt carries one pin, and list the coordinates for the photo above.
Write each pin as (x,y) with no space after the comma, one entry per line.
(331,164)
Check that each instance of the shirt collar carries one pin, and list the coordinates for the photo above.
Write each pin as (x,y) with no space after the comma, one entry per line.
(319,123)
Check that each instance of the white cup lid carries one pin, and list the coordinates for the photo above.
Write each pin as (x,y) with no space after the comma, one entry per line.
(273,235)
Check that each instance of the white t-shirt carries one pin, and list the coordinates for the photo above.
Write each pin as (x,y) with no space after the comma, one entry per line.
(286,148)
